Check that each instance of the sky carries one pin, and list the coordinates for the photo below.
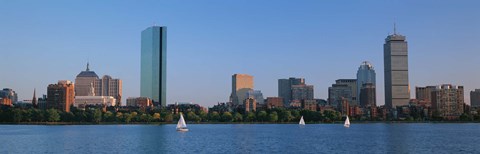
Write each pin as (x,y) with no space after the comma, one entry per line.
(42,42)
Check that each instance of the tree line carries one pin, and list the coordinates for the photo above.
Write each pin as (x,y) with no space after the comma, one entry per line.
(97,115)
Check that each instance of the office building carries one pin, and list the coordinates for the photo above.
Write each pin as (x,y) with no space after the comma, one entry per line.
(424,95)
(153,78)
(285,87)
(60,96)
(448,101)
(241,84)
(397,89)
(302,92)
(142,102)
(368,95)
(475,98)
(343,89)
(365,75)
(257,94)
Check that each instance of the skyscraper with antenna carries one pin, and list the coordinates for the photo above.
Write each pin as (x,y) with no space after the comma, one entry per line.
(395,52)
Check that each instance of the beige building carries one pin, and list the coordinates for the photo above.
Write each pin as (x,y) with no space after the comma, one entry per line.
(448,101)
(241,84)
(106,86)
(250,104)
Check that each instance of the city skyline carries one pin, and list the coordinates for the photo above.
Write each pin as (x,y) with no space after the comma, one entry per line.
(316,39)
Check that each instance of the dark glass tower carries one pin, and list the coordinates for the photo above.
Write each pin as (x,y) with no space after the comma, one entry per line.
(153,83)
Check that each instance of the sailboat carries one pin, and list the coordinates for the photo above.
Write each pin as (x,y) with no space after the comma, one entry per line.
(347,122)
(302,122)
(181,125)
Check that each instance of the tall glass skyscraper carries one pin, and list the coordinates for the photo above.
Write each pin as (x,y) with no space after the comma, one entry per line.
(365,74)
(397,89)
(153,83)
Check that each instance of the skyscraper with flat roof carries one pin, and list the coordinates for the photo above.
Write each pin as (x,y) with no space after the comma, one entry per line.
(395,52)
(153,78)
(241,84)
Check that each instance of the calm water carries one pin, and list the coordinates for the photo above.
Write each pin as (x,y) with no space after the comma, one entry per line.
(242,138)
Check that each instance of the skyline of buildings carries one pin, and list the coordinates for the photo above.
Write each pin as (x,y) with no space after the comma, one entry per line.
(153,77)
(87,83)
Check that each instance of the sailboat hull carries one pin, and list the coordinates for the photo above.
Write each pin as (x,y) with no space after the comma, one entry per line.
(182,129)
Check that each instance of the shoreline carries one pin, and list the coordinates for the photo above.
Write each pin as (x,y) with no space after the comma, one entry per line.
(247,123)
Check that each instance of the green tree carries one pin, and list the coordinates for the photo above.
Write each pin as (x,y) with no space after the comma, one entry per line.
(285,116)
(17,115)
(273,117)
(119,117)
(250,117)
(134,116)
(227,117)
(203,115)
(237,117)
(108,116)
(214,116)
(53,115)
(168,117)
(262,116)
(97,116)
(127,117)
(191,116)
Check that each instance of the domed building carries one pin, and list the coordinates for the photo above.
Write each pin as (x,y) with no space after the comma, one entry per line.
(106,86)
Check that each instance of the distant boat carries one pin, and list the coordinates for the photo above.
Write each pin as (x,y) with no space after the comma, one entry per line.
(347,122)
(181,125)
(302,122)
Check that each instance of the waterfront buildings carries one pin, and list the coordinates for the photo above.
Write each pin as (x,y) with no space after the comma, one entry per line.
(60,96)
(448,101)
(302,92)
(106,86)
(366,75)
(397,89)
(475,98)
(10,94)
(368,95)
(274,102)
(5,101)
(343,89)
(142,102)
(241,84)
(250,104)
(285,88)
(423,95)
(153,72)
(257,94)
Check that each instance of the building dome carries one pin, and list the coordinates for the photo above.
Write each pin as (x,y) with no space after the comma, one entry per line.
(366,65)
(87,73)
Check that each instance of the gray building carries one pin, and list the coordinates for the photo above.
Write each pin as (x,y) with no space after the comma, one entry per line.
(285,88)
(448,101)
(397,89)
(352,84)
(368,95)
(339,92)
(302,92)
(365,74)
(475,98)
(257,94)
(153,83)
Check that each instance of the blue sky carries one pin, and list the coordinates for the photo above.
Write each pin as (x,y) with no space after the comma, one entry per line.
(208,41)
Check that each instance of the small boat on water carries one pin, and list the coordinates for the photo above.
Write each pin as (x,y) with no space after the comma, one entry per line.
(302,122)
(181,125)
(347,122)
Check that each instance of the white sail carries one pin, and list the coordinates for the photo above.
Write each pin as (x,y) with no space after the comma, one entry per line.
(347,122)
(181,122)
(302,122)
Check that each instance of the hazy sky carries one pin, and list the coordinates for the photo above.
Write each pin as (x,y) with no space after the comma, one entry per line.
(208,41)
